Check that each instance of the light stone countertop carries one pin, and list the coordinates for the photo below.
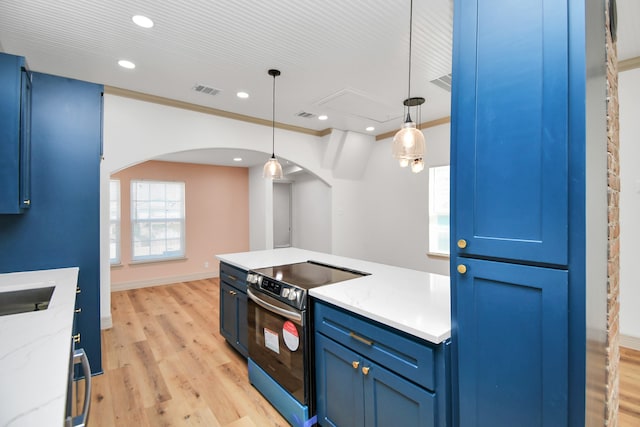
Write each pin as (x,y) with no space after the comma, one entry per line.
(411,301)
(35,351)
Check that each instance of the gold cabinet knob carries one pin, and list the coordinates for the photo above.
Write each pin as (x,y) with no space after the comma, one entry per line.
(76,338)
(78,310)
(365,370)
(462,243)
(355,364)
(462,268)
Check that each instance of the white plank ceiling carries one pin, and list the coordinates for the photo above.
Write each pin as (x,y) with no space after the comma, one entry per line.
(345,59)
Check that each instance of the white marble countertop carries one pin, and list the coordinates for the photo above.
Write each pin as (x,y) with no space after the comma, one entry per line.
(35,351)
(412,301)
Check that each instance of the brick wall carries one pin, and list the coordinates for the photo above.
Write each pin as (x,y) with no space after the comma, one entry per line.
(613,282)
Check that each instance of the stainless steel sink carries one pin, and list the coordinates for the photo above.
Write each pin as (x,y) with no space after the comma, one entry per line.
(14,302)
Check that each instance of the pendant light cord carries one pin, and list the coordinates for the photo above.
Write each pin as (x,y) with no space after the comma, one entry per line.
(410,39)
(273,121)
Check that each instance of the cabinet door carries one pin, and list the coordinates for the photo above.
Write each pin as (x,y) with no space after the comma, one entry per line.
(509,129)
(25,141)
(243,332)
(512,333)
(11,86)
(391,400)
(228,312)
(340,398)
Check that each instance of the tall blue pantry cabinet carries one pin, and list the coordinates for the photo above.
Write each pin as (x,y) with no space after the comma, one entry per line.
(518,263)
(61,226)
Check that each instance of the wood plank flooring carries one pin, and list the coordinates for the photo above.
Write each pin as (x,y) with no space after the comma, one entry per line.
(165,364)
(629,410)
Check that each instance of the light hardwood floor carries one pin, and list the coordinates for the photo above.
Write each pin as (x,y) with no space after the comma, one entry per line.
(165,364)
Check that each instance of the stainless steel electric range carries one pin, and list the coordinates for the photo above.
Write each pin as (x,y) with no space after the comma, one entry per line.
(281,362)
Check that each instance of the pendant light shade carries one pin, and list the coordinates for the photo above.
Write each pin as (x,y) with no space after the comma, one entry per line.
(408,143)
(272,169)
(417,166)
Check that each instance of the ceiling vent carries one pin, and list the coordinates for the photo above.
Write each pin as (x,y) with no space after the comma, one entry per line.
(443,82)
(305,115)
(207,90)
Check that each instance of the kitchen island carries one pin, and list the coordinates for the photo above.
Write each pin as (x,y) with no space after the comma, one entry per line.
(381,347)
(35,350)
(411,301)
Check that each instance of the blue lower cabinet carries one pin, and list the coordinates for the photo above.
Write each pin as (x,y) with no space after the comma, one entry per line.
(391,400)
(233,307)
(339,388)
(512,344)
(354,388)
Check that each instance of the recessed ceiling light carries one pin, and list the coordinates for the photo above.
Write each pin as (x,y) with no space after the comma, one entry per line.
(126,64)
(370,129)
(323,117)
(242,95)
(142,21)
(237,159)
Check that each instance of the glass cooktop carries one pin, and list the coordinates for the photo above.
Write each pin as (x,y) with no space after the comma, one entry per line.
(310,274)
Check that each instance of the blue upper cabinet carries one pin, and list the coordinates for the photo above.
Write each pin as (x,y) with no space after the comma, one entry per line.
(509,130)
(15,134)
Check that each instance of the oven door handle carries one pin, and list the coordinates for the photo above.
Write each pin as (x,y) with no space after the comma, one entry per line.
(286,313)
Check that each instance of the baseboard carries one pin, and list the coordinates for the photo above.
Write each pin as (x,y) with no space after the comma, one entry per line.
(124,286)
(630,342)
(106,322)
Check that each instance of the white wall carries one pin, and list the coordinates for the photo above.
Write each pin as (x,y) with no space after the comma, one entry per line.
(387,210)
(311,209)
(629,97)
(260,196)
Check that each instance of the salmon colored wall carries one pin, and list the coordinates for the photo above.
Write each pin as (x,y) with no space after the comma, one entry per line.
(216,220)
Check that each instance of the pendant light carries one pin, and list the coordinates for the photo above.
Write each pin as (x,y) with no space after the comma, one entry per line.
(408,143)
(273,169)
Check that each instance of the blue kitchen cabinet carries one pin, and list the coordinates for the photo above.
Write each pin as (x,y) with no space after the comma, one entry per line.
(518,285)
(233,307)
(512,344)
(15,134)
(62,226)
(368,374)
(509,130)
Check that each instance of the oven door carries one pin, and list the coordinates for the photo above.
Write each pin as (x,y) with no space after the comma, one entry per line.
(278,342)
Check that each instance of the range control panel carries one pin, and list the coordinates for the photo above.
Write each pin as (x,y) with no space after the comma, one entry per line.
(271,286)
(284,292)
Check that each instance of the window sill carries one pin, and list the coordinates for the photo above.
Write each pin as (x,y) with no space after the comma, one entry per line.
(116,265)
(157,260)
(438,255)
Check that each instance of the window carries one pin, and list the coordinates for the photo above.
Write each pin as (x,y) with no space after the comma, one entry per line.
(157,220)
(114,221)
(439,210)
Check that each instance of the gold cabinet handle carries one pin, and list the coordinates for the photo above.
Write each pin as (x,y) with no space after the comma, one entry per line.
(355,364)
(233,278)
(359,338)
(78,310)
(27,202)
(365,370)
(232,292)
(78,289)
(462,269)
(462,243)
(76,338)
